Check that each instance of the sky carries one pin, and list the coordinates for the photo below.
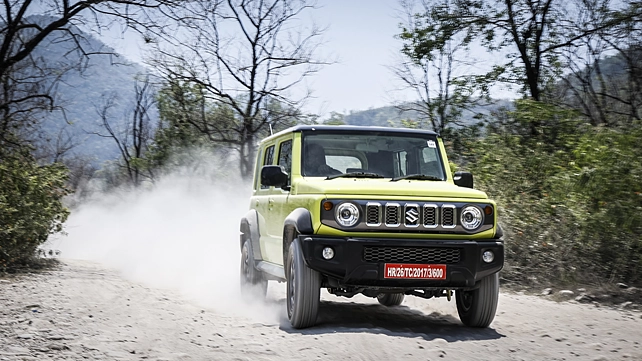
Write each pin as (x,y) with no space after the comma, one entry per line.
(360,35)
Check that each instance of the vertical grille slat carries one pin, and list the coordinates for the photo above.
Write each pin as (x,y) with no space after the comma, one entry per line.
(448,216)
(373,214)
(392,214)
(430,216)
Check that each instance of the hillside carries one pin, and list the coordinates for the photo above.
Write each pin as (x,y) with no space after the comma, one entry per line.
(385,116)
(80,93)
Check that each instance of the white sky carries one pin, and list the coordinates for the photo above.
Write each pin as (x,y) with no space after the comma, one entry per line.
(360,35)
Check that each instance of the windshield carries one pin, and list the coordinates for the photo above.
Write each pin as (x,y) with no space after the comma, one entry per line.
(371,154)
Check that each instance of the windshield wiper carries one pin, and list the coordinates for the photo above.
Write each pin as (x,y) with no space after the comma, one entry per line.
(355,175)
(417,177)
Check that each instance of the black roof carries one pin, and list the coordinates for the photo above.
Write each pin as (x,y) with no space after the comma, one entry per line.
(352,128)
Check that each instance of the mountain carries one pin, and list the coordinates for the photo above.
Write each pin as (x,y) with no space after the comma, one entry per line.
(385,116)
(81,92)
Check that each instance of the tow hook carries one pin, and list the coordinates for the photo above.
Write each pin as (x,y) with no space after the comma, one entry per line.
(449,295)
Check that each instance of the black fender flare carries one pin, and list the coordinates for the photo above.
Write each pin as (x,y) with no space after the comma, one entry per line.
(249,228)
(299,221)
(499,233)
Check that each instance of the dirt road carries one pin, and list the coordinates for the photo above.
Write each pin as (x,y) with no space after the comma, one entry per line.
(162,284)
(86,311)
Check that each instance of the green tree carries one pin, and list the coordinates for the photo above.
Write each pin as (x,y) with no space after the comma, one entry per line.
(434,55)
(568,197)
(533,33)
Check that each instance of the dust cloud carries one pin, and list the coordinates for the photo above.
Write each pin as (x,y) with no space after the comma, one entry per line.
(182,233)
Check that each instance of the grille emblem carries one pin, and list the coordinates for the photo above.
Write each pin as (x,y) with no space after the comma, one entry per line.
(412,216)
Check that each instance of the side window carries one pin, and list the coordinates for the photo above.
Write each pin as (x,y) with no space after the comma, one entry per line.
(269,155)
(267,160)
(285,157)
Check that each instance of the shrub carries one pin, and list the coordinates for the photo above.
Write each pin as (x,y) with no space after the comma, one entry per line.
(30,206)
(569,195)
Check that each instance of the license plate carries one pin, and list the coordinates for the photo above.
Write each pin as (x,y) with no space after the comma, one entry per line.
(415,271)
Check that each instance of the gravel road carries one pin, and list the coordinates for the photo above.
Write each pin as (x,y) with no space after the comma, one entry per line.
(85,311)
(153,275)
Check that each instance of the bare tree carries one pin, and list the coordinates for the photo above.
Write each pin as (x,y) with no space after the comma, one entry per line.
(246,56)
(533,32)
(433,71)
(134,140)
(605,72)
(28,82)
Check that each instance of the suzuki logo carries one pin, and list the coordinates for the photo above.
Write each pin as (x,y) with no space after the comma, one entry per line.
(412,216)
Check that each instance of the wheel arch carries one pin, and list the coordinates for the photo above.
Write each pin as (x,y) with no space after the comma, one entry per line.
(299,221)
(249,228)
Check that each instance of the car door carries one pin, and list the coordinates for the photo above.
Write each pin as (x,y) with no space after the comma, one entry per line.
(277,206)
(260,200)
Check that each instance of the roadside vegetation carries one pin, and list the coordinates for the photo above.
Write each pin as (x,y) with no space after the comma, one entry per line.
(562,161)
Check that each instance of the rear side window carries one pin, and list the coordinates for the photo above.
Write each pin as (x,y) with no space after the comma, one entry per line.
(269,155)
(285,157)
(267,160)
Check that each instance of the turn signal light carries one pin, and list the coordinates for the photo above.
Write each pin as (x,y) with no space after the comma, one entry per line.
(327,205)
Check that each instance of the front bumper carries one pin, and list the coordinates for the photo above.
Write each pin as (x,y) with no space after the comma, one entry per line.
(354,266)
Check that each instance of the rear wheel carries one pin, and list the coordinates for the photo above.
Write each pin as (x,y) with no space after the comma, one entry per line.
(253,285)
(390,299)
(477,308)
(303,289)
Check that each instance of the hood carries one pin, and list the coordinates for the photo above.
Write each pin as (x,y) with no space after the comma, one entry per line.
(384,187)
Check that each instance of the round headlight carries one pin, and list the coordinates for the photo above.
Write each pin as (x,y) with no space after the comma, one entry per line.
(471,217)
(347,214)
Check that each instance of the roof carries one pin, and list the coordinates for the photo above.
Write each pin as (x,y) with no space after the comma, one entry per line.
(351,128)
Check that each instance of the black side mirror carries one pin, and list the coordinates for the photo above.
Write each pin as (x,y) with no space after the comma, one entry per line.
(464,179)
(273,175)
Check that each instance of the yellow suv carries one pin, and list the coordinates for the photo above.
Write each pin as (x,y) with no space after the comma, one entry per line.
(368,210)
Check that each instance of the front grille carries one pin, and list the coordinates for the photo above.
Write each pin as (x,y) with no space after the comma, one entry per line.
(411,255)
(373,214)
(392,214)
(430,216)
(448,216)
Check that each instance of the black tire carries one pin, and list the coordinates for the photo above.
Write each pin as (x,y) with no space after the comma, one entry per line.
(477,308)
(253,284)
(390,299)
(303,290)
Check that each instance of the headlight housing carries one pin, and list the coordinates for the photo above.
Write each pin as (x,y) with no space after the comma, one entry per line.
(471,218)
(347,214)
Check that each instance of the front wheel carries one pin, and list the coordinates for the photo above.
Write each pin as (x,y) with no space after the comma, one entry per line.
(304,289)
(477,308)
(390,299)
(253,285)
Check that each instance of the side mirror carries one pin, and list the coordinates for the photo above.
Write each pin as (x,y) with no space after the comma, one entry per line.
(464,179)
(273,175)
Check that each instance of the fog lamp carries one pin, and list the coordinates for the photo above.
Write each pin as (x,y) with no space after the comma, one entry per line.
(488,256)
(328,253)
